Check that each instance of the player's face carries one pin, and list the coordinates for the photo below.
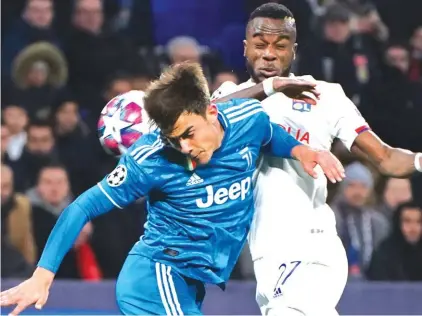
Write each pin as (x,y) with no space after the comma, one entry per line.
(270,47)
(197,136)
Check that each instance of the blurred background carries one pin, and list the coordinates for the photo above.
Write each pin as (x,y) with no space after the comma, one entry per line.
(63,60)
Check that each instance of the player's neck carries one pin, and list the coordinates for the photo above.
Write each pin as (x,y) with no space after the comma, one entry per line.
(220,132)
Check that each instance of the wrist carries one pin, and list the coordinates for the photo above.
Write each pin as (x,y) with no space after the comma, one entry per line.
(268,85)
(298,150)
(43,274)
(418,162)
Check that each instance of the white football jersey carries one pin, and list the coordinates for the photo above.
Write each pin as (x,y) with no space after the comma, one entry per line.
(334,116)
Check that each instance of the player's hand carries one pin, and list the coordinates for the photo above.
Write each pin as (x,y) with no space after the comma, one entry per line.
(35,290)
(329,163)
(297,88)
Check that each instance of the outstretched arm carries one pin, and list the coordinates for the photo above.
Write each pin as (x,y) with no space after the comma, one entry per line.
(279,143)
(296,88)
(121,187)
(392,162)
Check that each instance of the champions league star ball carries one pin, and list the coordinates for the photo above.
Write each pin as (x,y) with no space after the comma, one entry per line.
(123,120)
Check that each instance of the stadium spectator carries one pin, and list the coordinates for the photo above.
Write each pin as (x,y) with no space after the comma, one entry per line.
(5,140)
(39,73)
(38,152)
(395,192)
(17,241)
(360,227)
(15,119)
(399,100)
(339,55)
(73,137)
(415,71)
(186,48)
(399,257)
(94,54)
(34,25)
(48,199)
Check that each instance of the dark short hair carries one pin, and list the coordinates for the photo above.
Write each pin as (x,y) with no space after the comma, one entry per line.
(53,164)
(271,10)
(406,205)
(182,88)
(39,124)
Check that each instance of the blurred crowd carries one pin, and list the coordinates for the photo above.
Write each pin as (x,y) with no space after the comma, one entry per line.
(63,60)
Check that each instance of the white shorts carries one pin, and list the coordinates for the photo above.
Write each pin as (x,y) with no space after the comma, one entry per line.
(306,278)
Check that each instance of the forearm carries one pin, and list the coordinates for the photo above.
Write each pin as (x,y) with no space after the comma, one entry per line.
(391,162)
(399,163)
(70,223)
(281,143)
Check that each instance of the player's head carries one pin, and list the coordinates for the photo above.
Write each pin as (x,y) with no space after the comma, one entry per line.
(179,103)
(270,44)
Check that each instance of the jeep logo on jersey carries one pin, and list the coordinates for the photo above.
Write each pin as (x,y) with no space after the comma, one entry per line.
(235,191)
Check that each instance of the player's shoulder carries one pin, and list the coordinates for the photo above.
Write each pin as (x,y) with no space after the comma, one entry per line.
(240,111)
(332,95)
(149,147)
(229,87)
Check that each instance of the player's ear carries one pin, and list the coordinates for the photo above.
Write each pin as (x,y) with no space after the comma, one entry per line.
(212,112)
(294,50)
(245,45)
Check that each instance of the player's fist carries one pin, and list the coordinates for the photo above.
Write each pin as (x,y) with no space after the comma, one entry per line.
(329,163)
(32,291)
(297,88)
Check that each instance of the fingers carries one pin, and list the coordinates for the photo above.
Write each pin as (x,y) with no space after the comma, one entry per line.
(8,297)
(41,302)
(310,169)
(306,99)
(19,308)
(331,166)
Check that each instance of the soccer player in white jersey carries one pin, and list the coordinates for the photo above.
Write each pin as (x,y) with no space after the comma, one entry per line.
(299,261)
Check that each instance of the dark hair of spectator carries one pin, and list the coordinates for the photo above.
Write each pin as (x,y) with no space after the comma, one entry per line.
(52,165)
(396,44)
(182,88)
(123,76)
(40,124)
(406,205)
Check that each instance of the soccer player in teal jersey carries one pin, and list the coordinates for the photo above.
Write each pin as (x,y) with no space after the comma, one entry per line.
(198,216)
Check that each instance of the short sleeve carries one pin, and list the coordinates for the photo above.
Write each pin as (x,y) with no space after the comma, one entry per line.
(346,121)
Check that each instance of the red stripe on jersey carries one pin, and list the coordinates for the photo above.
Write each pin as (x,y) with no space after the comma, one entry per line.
(362,129)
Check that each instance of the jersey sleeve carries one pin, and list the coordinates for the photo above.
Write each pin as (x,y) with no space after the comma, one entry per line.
(346,121)
(130,180)
(127,182)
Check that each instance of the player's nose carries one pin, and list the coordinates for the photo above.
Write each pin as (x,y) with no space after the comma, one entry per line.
(269,55)
(185,146)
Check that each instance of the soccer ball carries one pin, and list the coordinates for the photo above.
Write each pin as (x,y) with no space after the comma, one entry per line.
(122,121)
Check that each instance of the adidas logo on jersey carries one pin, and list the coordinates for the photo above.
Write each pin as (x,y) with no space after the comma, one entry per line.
(194,179)
(277,292)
